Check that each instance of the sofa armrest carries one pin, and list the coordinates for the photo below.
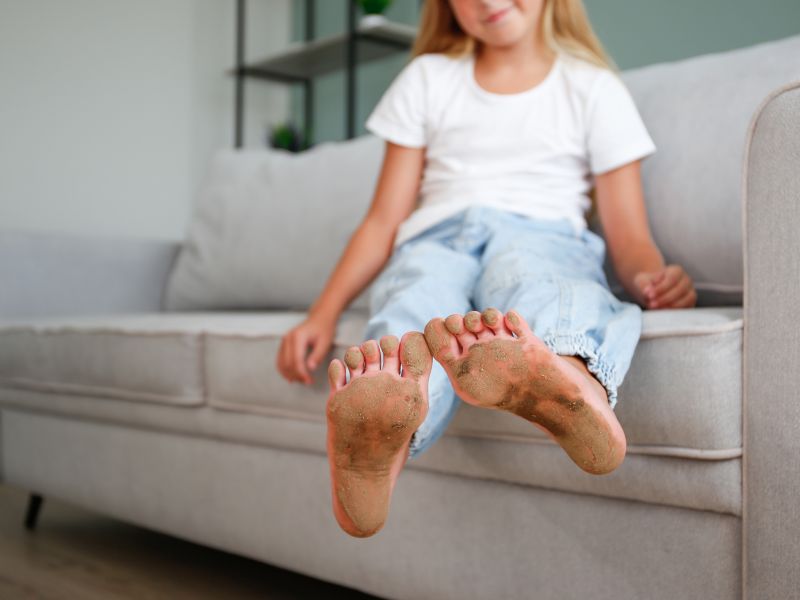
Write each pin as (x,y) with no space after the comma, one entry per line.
(771,234)
(49,274)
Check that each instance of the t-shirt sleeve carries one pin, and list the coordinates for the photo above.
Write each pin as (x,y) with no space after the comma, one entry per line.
(616,134)
(400,115)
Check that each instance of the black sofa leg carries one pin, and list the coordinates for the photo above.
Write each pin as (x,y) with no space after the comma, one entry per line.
(32,514)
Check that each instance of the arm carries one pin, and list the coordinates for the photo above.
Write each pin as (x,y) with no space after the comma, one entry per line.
(366,253)
(637,261)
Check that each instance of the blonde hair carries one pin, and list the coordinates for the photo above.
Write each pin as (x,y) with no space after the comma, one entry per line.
(564,27)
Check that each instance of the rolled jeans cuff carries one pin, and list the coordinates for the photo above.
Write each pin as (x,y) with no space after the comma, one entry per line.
(572,344)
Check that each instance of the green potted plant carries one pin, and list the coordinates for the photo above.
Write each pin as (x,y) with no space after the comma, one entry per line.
(374,7)
(373,12)
(287,136)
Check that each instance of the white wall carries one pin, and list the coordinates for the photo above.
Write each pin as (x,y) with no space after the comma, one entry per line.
(111,109)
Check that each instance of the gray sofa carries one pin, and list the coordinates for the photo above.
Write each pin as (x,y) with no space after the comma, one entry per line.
(176,419)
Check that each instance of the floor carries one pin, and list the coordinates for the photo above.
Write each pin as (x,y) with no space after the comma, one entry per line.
(79,554)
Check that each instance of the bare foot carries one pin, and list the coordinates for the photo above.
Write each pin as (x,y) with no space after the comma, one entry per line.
(370,423)
(489,367)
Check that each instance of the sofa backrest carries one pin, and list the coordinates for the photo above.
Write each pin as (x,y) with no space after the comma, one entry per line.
(698,112)
(269,225)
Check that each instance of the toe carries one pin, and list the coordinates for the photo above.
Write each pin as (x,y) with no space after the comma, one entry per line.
(372,355)
(336,374)
(455,325)
(354,360)
(516,324)
(390,347)
(440,341)
(474,323)
(493,319)
(415,356)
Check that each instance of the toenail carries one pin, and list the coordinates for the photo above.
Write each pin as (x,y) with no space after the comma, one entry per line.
(389,345)
(335,370)
(490,316)
(353,357)
(370,349)
(472,320)
(454,324)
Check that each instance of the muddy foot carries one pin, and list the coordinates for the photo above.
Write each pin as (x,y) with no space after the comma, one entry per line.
(370,423)
(497,362)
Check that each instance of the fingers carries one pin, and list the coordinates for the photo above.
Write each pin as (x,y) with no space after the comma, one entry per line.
(668,298)
(286,361)
(670,288)
(291,360)
(303,348)
(663,281)
(298,357)
(280,361)
(319,349)
(688,300)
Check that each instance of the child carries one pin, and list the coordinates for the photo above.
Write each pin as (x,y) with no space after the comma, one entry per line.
(506,114)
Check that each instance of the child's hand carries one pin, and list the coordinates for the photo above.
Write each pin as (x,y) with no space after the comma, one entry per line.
(312,334)
(670,287)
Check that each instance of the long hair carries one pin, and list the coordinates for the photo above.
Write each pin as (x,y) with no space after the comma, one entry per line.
(564,27)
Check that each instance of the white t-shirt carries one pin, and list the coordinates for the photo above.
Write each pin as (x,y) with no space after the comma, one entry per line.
(534,153)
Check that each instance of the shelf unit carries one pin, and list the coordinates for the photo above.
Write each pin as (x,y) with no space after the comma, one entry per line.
(301,62)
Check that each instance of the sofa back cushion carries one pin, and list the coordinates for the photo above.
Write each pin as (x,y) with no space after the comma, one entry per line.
(698,112)
(269,225)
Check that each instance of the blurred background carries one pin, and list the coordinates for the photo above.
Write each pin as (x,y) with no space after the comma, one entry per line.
(110,111)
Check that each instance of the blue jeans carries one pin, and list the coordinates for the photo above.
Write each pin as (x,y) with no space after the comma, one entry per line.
(485,257)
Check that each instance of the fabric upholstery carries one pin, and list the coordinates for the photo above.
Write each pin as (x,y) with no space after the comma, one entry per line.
(682,395)
(270,225)
(680,405)
(46,274)
(106,361)
(772,348)
(688,482)
(697,111)
(446,537)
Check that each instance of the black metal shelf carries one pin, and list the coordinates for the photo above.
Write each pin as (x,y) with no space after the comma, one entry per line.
(301,62)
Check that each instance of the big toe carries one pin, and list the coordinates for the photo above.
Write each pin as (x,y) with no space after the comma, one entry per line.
(415,356)
(516,324)
(441,342)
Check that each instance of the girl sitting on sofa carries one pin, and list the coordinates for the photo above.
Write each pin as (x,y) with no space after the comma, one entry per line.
(507,113)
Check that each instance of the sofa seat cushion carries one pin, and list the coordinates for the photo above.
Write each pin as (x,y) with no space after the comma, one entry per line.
(680,404)
(113,358)
(167,358)
(681,397)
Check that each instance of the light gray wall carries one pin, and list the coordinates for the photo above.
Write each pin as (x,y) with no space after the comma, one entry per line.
(110,110)
(634,32)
